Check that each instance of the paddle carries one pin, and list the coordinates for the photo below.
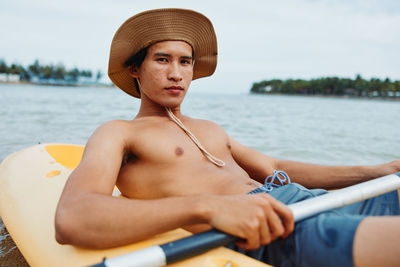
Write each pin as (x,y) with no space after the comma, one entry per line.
(194,245)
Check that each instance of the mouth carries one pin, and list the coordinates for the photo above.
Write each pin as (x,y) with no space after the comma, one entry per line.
(175,90)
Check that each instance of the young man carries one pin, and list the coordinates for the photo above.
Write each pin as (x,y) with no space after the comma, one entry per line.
(176,171)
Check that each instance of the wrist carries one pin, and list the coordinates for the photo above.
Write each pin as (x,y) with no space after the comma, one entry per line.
(202,208)
(395,166)
(383,169)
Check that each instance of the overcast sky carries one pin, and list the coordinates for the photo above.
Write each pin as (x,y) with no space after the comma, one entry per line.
(257,40)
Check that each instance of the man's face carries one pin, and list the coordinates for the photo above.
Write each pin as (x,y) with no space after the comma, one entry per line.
(166,73)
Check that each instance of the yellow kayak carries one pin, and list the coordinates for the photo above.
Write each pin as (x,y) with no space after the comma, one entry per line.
(31,182)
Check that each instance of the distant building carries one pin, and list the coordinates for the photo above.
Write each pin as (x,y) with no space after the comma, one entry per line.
(266,88)
(68,81)
(350,92)
(11,78)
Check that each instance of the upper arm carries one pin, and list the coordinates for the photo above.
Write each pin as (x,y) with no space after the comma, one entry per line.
(256,164)
(101,161)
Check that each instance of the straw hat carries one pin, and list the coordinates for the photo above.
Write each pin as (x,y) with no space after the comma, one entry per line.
(149,27)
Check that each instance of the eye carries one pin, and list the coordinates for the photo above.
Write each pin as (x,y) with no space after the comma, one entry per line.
(162,59)
(186,61)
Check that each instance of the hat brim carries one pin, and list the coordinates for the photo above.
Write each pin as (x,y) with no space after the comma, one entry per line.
(149,27)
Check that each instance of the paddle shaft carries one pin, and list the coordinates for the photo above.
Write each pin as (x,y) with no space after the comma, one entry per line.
(181,249)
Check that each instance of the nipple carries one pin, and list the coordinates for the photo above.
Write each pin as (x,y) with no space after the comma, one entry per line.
(179,151)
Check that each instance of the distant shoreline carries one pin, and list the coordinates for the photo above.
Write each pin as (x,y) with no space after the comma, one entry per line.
(358,88)
(387,98)
(61,84)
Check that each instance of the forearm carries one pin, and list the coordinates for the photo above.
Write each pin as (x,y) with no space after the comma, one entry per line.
(100,221)
(330,177)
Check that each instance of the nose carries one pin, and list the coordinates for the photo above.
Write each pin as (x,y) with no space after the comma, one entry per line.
(174,72)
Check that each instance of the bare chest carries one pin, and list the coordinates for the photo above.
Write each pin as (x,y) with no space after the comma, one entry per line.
(178,167)
(164,161)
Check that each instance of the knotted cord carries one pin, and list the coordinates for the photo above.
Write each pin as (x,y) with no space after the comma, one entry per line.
(210,157)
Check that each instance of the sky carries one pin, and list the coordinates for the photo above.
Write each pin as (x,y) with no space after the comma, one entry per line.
(257,39)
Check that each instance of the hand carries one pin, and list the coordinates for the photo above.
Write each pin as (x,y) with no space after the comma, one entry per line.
(388,168)
(395,166)
(258,219)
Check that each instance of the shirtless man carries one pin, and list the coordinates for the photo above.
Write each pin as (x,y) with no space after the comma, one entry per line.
(172,180)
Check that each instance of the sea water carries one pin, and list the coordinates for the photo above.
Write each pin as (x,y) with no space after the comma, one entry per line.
(333,131)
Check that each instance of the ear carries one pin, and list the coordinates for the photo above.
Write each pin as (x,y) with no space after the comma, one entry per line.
(133,71)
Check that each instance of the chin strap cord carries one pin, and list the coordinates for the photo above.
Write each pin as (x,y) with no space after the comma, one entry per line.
(210,157)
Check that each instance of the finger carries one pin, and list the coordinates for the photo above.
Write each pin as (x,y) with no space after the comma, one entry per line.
(286,215)
(253,237)
(271,220)
(271,227)
(241,244)
(246,245)
(274,222)
(265,235)
(275,225)
(251,230)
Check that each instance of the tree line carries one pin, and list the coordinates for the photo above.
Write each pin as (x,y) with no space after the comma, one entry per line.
(46,72)
(330,86)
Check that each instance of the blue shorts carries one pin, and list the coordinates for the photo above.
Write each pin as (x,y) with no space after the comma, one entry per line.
(325,239)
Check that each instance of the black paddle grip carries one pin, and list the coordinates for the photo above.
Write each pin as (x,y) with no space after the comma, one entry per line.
(194,245)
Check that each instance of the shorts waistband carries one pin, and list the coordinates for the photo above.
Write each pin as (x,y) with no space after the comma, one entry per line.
(277,179)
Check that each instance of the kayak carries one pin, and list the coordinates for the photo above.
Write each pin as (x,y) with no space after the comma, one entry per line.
(31,182)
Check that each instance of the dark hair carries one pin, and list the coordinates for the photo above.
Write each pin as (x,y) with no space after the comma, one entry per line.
(136,61)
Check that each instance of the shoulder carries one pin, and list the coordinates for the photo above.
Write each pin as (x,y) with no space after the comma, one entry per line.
(208,130)
(117,128)
(206,124)
(112,125)
(111,134)
(124,133)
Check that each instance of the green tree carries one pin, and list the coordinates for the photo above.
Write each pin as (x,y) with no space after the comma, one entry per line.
(47,71)
(288,87)
(386,87)
(99,75)
(16,69)
(330,86)
(74,74)
(85,73)
(396,86)
(59,72)
(375,87)
(3,66)
(360,85)
(35,68)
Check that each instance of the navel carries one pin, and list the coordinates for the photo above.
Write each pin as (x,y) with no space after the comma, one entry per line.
(228,145)
(252,183)
(179,151)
